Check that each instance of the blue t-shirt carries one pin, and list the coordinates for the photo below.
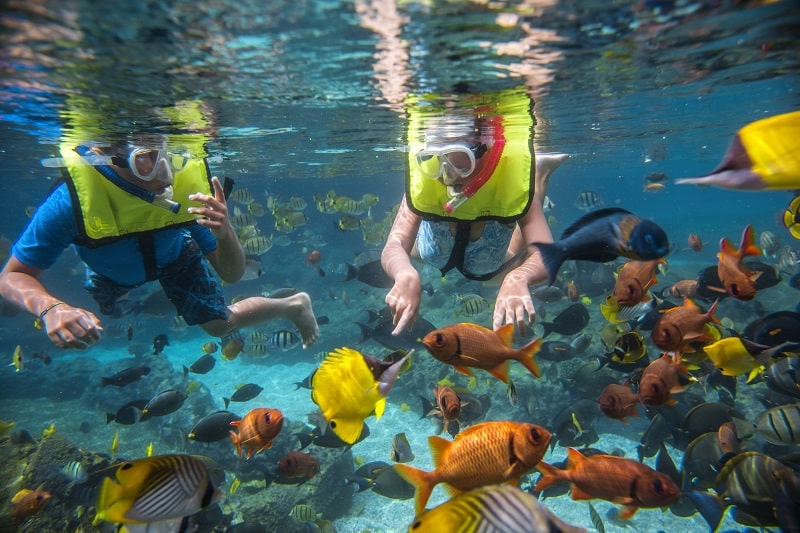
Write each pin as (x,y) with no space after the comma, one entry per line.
(53,228)
(435,243)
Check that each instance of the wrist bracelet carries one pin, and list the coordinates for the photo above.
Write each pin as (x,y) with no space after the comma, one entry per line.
(49,307)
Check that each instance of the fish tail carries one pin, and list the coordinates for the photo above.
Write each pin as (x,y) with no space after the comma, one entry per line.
(711,310)
(420,479)
(552,257)
(548,329)
(226,401)
(528,352)
(550,476)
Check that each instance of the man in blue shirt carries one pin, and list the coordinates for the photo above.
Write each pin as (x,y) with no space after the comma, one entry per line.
(120,206)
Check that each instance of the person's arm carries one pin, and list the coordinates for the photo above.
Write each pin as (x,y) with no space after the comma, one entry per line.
(66,326)
(404,297)
(514,297)
(228,259)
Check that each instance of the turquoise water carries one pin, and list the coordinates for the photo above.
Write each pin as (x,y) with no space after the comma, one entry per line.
(299,98)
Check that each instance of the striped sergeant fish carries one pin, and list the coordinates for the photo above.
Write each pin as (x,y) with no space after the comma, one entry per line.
(492,508)
(284,340)
(780,425)
(154,489)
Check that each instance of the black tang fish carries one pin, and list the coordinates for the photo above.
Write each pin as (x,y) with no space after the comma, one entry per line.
(602,236)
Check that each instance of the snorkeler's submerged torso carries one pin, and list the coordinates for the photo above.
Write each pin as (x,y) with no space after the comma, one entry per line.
(54,227)
(436,242)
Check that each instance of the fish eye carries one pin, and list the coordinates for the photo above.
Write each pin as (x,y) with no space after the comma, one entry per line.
(439,339)
(267,418)
(536,435)
(735,289)
(659,487)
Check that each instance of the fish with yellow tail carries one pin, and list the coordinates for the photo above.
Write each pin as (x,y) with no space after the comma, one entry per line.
(17,359)
(484,454)
(156,489)
(467,345)
(763,155)
(492,508)
(791,217)
(733,358)
(149,450)
(615,479)
(347,391)
(602,236)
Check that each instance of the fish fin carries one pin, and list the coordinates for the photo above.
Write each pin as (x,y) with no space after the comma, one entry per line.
(21,494)
(574,457)
(380,407)
(452,491)
(550,476)
(501,371)
(726,247)
(748,245)
(464,370)
(506,335)
(527,354)
(628,511)
(580,494)
(420,479)
(438,447)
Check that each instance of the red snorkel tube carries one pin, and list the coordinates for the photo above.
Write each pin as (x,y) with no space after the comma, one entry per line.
(488,169)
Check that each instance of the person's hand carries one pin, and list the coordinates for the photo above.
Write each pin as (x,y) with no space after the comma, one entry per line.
(403,300)
(513,303)
(214,213)
(72,327)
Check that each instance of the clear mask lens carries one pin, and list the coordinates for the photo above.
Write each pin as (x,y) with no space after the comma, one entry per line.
(434,162)
(145,162)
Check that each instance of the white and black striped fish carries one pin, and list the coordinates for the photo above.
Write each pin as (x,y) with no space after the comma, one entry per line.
(492,508)
(780,425)
(588,201)
(156,488)
(284,340)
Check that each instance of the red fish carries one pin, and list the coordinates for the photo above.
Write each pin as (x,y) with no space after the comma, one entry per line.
(695,243)
(662,378)
(618,401)
(685,288)
(448,403)
(634,279)
(468,345)
(484,454)
(611,478)
(27,502)
(257,430)
(737,279)
(298,465)
(679,327)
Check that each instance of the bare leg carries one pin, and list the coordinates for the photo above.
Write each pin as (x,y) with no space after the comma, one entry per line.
(258,309)
(545,165)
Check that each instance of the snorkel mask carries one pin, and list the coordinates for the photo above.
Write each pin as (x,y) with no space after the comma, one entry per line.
(450,162)
(144,163)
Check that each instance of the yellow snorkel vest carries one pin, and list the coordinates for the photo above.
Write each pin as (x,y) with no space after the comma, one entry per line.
(106,212)
(508,193)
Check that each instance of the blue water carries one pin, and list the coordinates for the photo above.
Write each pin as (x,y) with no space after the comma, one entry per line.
(305,97)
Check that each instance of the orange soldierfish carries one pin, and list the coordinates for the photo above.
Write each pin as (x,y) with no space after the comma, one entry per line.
(737,279)
(634,279)
(28,502)
(695,242)
(484,454)
(618,401)
(661,379)
(467,345)
(257,430)
(449,404)
(615,479)
(679,327)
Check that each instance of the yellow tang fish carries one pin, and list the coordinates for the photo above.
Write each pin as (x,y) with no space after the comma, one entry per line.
(115,442)
(732,358)
(347,392)
(149,450)
(17,359)
(764,155)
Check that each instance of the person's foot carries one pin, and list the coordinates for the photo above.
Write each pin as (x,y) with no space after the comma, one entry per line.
(545,165)
(303,317)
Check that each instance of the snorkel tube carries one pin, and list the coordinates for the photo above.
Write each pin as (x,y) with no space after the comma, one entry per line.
(493,157)
(163,200)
